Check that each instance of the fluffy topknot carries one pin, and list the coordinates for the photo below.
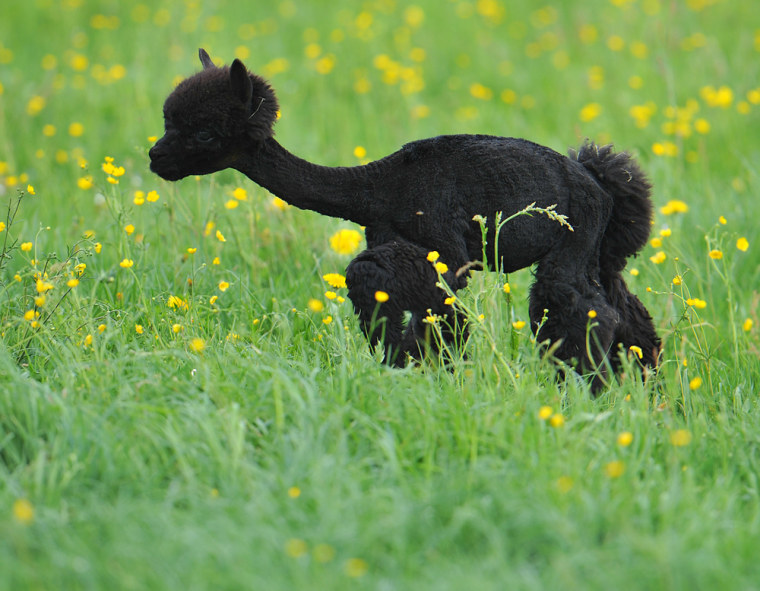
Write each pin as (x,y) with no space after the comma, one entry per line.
(230,97)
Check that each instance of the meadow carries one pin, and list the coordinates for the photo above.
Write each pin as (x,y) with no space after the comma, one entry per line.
(186,400)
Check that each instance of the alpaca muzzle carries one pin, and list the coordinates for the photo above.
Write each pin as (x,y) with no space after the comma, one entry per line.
(162,164)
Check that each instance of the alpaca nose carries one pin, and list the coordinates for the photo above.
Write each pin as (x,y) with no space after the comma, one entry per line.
(154,152)
(156,155)
(159,149)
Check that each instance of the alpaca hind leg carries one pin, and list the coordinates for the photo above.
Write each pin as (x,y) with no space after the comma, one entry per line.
(575,317)
(636,329)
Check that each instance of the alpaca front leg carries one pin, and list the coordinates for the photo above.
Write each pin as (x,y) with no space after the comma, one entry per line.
(372,279)
(454,332)
(384,326)
(374,283)
(406,280)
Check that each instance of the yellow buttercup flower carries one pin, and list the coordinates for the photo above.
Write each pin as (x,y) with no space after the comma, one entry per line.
(614,469)
(430,318)
(76,129)
(279,203)
(355,568)
(565,484)
(43,286)
(296,548)
(381,296)
(335,280)
(674,206)
(23,511)
(680,437)
(742,244)
(590,112)
(177,303)
(345,241)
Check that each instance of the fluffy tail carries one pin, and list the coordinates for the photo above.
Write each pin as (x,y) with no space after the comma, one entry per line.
(631,221)
(627,233)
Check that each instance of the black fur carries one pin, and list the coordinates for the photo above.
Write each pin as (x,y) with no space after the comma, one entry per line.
(424,198)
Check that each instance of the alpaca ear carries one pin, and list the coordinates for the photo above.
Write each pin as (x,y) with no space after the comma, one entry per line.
(242,87)
(205,59)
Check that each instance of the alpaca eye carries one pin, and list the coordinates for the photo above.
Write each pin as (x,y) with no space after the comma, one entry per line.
(204,136)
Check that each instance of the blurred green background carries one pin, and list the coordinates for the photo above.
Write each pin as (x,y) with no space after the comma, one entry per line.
(183,412)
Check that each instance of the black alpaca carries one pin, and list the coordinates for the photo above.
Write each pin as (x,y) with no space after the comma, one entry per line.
(423,198)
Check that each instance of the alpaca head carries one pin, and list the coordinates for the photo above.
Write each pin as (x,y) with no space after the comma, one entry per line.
(212,119)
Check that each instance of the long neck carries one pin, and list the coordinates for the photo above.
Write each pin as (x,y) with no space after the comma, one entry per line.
(338,192)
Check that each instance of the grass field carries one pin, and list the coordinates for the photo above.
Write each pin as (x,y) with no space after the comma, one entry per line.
(182,406)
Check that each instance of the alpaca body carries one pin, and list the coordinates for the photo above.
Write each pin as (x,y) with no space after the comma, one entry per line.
(428,192)
(423,198)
